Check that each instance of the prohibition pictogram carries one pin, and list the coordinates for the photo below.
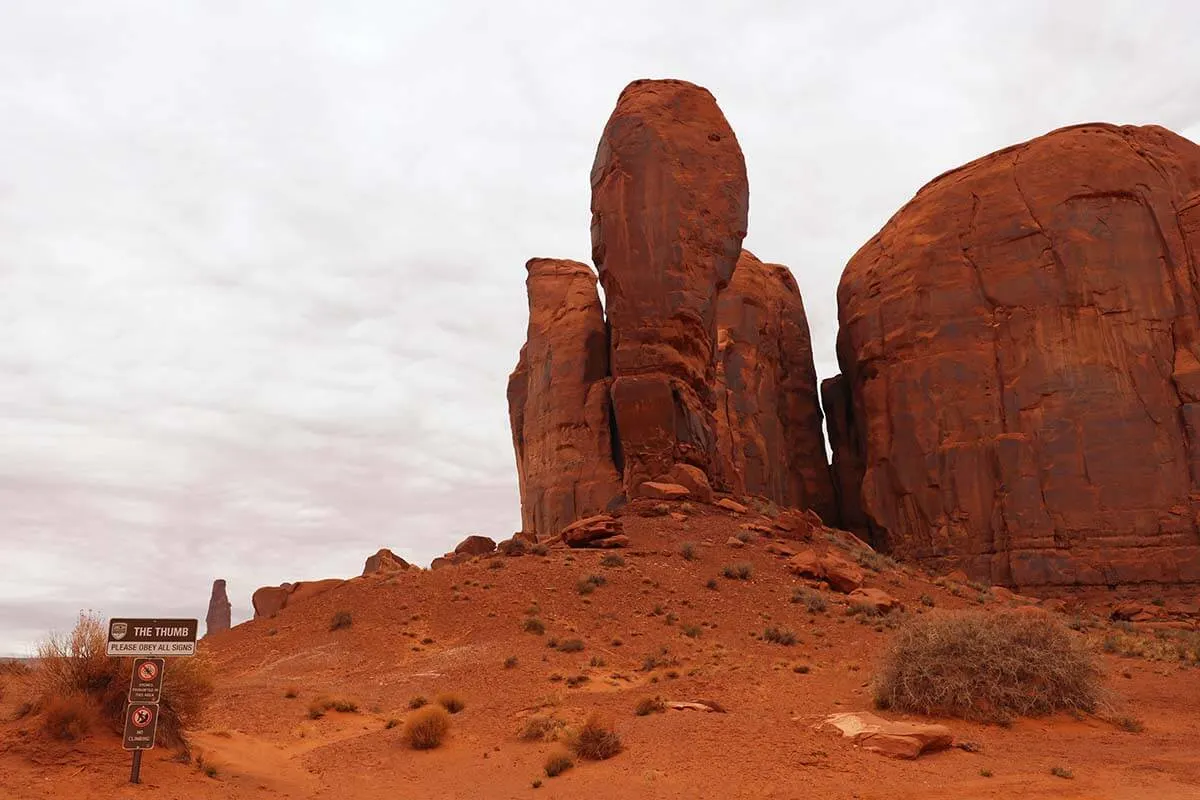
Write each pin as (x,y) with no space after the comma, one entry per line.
(142,717)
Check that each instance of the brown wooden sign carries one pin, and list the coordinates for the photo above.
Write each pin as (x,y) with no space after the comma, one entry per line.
(152,637)
(141,723)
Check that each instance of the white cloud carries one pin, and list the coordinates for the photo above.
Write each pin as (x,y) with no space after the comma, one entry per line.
(261,264)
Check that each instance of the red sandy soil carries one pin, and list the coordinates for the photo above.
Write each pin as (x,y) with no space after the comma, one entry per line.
(421,633)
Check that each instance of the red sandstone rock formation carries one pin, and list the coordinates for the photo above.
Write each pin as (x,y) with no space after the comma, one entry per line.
(1021,359)
(558,400)
(385,561)
(669,210)
(270,600)
(219,609)
(605,410)
(768,417)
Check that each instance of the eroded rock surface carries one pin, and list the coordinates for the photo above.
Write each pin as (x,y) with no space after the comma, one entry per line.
(670,201)
(769,420)
(1021,366)
(558,400)
(220,609)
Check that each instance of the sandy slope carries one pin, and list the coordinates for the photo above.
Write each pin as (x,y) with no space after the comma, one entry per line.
(451,630)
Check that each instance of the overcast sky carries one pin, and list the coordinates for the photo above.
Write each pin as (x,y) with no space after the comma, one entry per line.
(262,263)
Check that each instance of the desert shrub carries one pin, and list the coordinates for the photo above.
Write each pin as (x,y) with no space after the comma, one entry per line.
(597,661)
(323,703)
(451,701)
(426,728)
(596,740)
(812,600)
(744,536)
(588,585)
(926,600)
(649,705)
(741,571)
(541,728)
(534,625)
(612,560)
(417,701)
(510,662)
(779,636)
(711,584)
(539,550)
(68,718)
(986,666)
(557,763)
(291,692)
(1062,772)
(341,619)
(692,631)
(876,562)
(1181,646)
(689,551)
(575,681)
(662,658)
(570,646)
(75,663)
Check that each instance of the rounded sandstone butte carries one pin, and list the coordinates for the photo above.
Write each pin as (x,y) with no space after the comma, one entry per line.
(1021,392)
(558,401)
(769,419)
(670,201)
(220,609)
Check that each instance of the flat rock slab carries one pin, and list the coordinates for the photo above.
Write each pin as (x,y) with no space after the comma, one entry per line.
(892,739)
(656,490)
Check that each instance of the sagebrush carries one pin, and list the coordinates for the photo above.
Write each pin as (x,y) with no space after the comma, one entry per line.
(987,666)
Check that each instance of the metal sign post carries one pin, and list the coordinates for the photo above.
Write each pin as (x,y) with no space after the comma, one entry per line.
(148,640)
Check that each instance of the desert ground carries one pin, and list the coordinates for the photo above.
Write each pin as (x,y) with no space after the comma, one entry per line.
(654,627)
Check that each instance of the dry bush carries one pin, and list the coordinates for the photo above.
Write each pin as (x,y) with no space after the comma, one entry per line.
(75,663)
(650,705)
(541,728)
(558,762)
(987,666)
(689,551)
(781,636)
(323,703)
(68,718)
(341,619)
(596,740)
(451,701)
(417,701)
(426,728)
(740,571)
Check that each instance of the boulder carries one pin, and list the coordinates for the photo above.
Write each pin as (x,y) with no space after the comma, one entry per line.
(1020,354)
(806,564)
(734,542)
(515,546)
(270,600)
(384,561)
(220,609)
(731,505)
(558,401)
(876,600)
(653,490)
(670,202)
(769,423)
(893,739)
(693,479)
(475,545)
(590,531)
(783,551)
(841,575)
